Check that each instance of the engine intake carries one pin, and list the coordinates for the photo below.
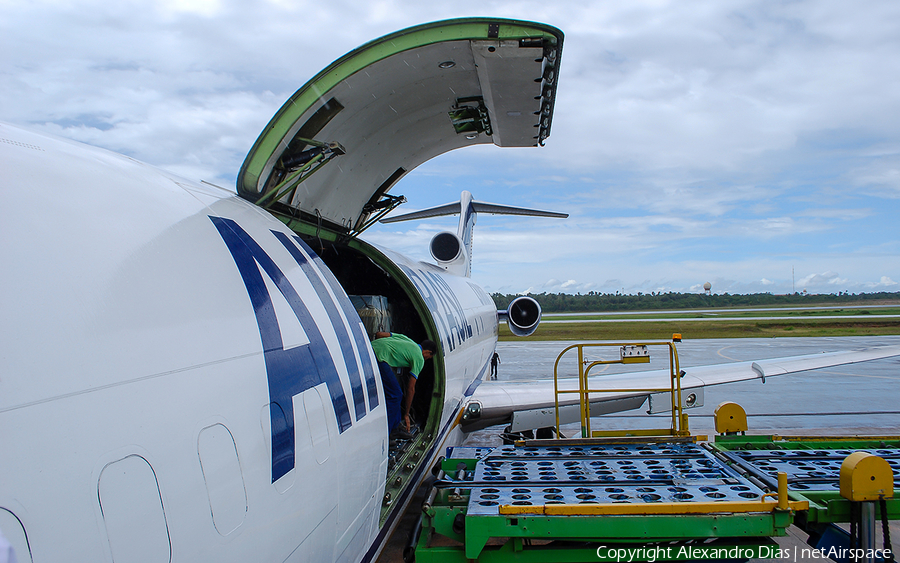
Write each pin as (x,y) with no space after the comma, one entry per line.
(450,253)
(522,316)
(446,247)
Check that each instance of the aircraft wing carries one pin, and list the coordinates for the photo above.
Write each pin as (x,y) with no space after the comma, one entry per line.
(527,405)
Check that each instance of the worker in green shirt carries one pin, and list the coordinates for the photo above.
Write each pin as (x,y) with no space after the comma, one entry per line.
(395,351)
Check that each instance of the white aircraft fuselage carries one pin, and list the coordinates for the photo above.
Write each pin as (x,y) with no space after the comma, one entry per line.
(183,378)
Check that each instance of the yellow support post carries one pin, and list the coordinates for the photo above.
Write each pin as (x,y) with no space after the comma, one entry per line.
(582,397)
(782,491)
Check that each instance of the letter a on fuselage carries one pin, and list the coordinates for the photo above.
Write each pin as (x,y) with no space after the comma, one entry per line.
(294,370)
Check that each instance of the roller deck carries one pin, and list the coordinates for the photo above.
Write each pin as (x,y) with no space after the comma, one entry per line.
(813,468)
(562,502)
(578,500)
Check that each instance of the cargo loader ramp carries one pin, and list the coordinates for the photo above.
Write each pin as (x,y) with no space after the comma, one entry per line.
(585,500)
(607,496)
(658,495)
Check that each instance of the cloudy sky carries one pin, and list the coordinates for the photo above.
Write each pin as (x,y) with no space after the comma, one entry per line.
(751,144)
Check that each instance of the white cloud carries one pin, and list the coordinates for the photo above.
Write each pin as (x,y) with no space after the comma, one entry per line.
(822,280)
(207,8)
(885,283)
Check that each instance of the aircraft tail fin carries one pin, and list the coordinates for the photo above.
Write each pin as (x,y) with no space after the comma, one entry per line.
(454,252)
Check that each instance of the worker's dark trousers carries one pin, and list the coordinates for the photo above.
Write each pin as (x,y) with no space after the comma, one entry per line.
(393,395)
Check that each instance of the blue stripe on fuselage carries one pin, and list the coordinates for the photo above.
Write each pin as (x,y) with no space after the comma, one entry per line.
(356,326)
(359,399)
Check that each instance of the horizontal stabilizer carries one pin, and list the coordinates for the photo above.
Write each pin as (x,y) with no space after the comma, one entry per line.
(495,209)
(454,253)
(477,206)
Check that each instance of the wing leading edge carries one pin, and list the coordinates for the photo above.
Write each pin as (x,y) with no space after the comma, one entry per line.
(530,404)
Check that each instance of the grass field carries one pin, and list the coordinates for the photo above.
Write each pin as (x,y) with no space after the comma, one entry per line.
(778,323)
(729,313)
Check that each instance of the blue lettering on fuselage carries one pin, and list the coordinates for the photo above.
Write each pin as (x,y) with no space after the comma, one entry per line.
(296,369)
(352,316)
(448,313)
(337,322)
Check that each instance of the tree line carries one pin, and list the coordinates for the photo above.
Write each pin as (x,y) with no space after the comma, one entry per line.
(593,301)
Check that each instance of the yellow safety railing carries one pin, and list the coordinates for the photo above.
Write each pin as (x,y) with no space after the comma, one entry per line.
(629,353)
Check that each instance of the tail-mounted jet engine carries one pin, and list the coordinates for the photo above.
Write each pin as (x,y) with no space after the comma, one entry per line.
(449,251)
(523,315)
